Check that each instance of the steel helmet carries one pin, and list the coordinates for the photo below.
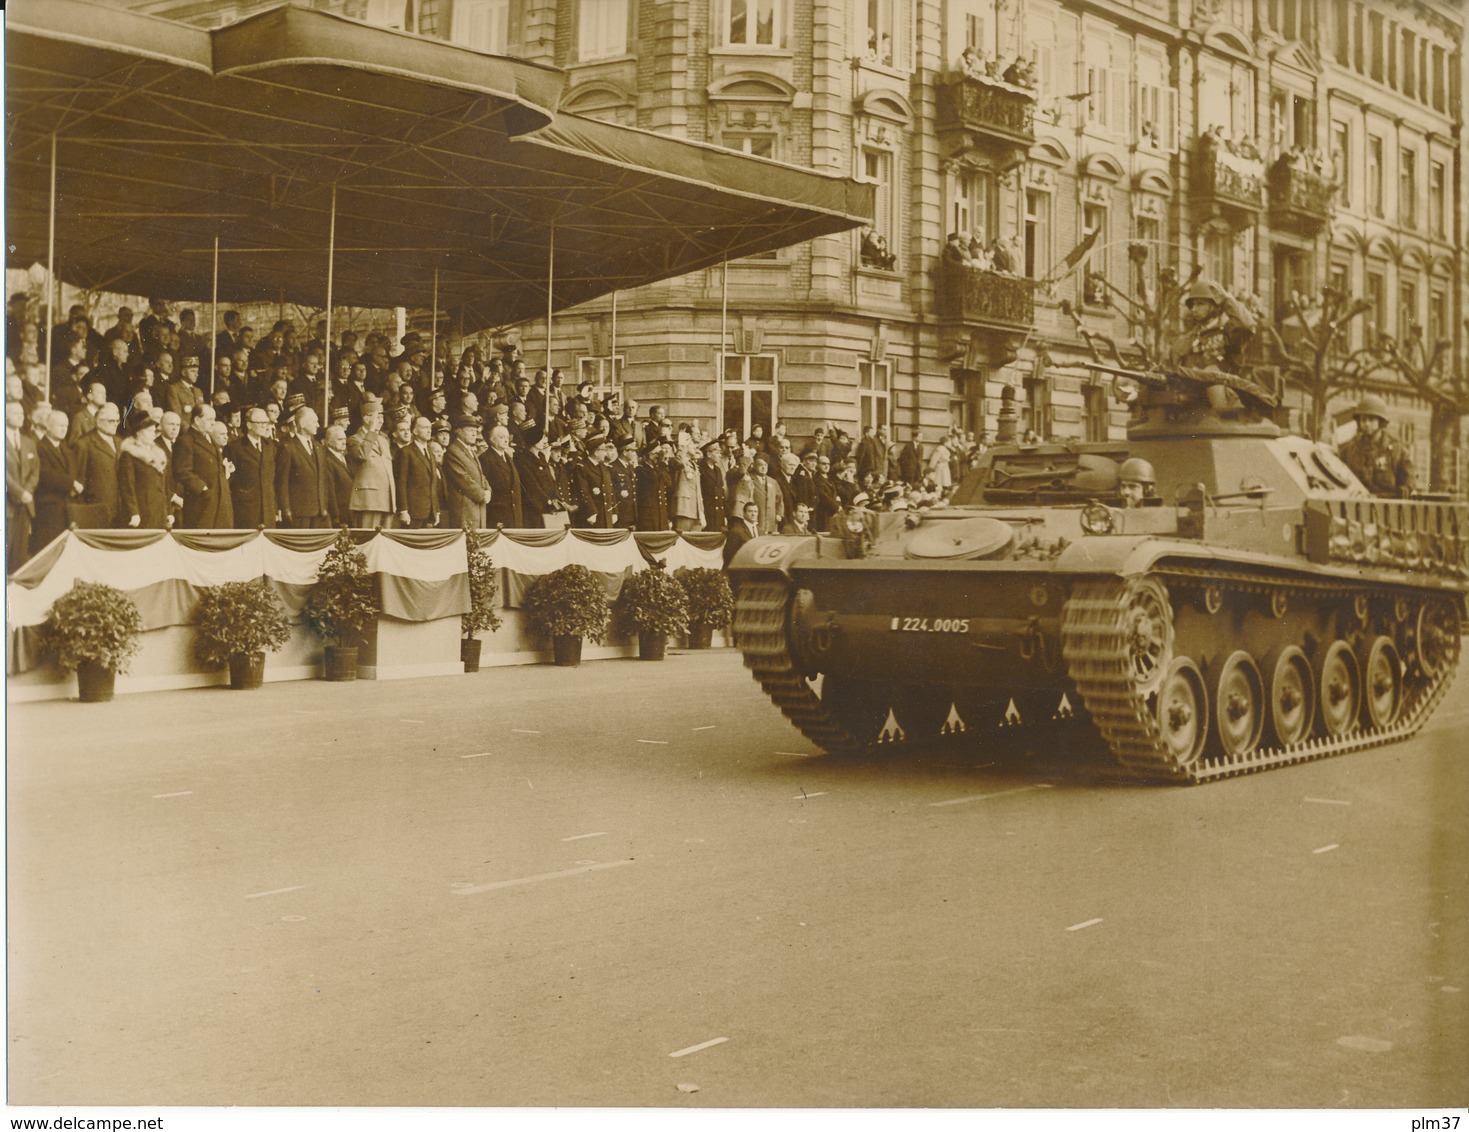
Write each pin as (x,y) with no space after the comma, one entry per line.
(1137,470)
(1371,406)
(1206,289)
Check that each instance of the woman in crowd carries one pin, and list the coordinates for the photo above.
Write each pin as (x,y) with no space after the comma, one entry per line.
(142,478)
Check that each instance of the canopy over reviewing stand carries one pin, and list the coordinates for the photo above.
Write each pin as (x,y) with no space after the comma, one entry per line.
(439,159)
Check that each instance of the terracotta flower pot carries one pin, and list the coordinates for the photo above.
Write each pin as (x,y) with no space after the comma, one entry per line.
(652,646)
(341,662)
(469,650)
(567,651)
(95,682)
(247,669)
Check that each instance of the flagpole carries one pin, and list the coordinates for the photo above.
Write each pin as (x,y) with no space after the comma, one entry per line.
(612,360)
(433,344)
(214,321)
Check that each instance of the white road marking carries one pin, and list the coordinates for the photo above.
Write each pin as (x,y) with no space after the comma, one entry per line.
(1084,924)
(275,892)
(293,919)
(655,742)
(302,711)
(697,1048)
(583,836)
(1327,848)
(814,794)
(1327,801)
(996,794)
(793,754)
(481,755)
(540,877)
(175,794)
(418,721)
(522,731)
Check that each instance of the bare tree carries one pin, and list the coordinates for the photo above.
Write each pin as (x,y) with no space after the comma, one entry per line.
(1431,372)
(1312,345)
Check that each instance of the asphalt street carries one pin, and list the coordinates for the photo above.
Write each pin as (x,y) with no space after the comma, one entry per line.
(634,884)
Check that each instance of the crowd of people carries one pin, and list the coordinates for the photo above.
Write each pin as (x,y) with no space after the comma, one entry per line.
(151,425)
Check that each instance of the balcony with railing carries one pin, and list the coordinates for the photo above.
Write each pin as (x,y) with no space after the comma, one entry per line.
(989,109)
(973,297)
(1228,177)
(1300,194)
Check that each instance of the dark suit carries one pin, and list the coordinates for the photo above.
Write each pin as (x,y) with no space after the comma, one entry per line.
(301,486)
(22,476)
(252,487)
(738,534)
(506,508)
(198,470)
(53,491)
(466,490)
(653,487)
(712,486)
(537,487)
(420,485)
(339,481)
(596,495)
(96,471)
(625,484)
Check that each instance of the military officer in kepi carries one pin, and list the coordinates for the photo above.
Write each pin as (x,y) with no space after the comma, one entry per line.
(1379,461)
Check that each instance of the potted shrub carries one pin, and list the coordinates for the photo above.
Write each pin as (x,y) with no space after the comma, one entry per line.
(570,605)
(93,631)
(341,605)
(238,623)
(711,603)
(483,590)
(653,603)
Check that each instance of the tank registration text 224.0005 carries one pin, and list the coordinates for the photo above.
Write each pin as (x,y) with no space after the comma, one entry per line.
(925,625)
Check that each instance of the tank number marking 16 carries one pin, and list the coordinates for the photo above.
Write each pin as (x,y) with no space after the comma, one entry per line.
(924,625)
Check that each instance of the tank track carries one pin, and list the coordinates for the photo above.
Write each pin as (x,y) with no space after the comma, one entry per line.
(1094,647)
(760,633)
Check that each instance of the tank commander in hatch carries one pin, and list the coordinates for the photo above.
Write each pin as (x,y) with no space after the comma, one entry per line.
(1135,482)
(1217,329)
(1379,461)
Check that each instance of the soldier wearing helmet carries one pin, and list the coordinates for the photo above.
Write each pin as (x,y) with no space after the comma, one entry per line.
(1135,481)
(1217,329)
(1379,461)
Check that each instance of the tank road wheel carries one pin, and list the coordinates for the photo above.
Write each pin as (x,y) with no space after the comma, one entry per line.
(1292,696)
(1148,634)
(921,712)
(1239,705)
(1339,688)
(860,707)
(1183,712)
(1382,683)
(1437,636)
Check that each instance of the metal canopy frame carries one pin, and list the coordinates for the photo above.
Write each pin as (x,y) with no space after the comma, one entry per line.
(192,161)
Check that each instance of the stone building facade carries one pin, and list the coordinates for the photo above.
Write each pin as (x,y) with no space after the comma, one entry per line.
(1284,144)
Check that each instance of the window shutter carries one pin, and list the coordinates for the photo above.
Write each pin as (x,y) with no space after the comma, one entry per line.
(1170,119)
(515,29)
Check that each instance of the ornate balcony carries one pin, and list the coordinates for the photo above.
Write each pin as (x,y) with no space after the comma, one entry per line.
(988,110)
(1228,178)
(1300,197)
(984,315)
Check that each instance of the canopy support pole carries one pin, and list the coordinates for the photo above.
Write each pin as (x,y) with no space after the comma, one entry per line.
(331,258)
(214,322)
(723,316)
(550,296)
(612,360)
(433,342)
(51,284)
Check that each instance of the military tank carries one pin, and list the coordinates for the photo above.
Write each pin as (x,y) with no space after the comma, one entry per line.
(1258,609)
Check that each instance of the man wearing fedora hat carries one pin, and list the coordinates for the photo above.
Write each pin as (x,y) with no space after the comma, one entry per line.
(373,495)
(466,490)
